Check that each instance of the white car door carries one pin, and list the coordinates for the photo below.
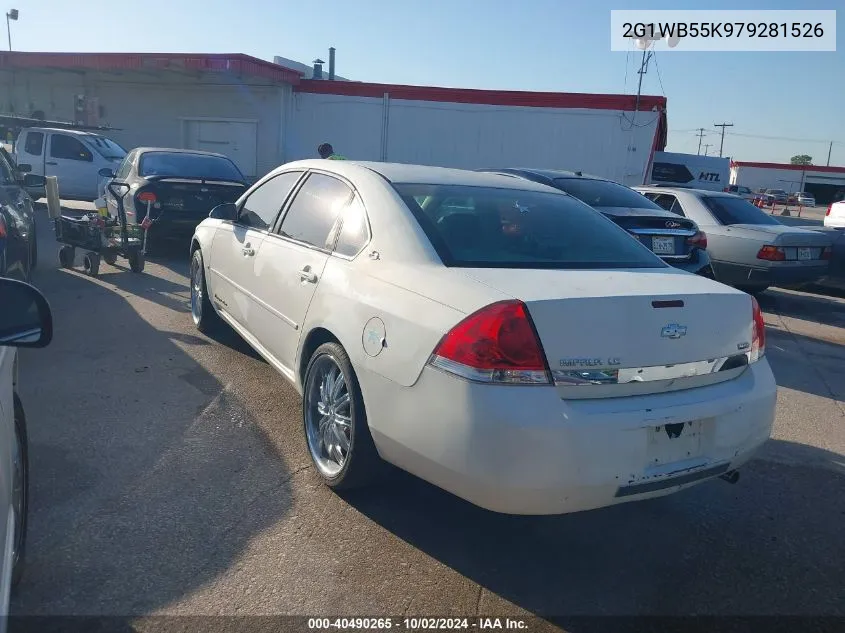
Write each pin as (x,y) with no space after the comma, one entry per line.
(73,164)
(291,261)
(236,245)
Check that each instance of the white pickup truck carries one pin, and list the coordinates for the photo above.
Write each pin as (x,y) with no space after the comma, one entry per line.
(74,156)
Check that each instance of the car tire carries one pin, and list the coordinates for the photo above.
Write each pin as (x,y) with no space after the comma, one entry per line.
(91,264)
(21,484)
(204,315)
(334,418)
(110,258)
(136,261)
(67,256)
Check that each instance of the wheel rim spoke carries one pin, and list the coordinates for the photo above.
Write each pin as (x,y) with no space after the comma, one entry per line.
(328,416)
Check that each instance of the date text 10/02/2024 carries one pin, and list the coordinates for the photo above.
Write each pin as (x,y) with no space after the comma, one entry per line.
(416,624)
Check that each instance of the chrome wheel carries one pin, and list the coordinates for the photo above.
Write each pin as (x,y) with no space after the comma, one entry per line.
(196,291)
(328,416)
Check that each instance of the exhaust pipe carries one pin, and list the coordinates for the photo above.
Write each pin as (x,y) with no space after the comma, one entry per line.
(732,476)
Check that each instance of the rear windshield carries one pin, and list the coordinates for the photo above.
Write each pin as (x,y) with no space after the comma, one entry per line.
(730,210)
(777,192)
(485,227)
(106,147)
(193,166)
(603,193)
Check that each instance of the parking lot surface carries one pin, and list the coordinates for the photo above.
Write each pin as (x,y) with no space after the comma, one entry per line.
(169,476)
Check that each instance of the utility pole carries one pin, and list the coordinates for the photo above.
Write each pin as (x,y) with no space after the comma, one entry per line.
(642,71)
(723,126)
(706,147)
(829,150)
(700,136)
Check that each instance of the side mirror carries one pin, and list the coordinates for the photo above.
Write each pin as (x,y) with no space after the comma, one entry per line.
(24,168)
(26,319)
(225,211)
(106,172)
(34,180)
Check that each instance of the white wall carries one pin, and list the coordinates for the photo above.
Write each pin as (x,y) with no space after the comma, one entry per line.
(771,178)
(149,108)
(472,136)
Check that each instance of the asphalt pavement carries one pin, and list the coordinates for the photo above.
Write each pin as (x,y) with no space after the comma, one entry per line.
(170,476)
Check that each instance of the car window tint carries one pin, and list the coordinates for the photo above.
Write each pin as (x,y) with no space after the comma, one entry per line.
(355,230)
(515,228)
(312,215)
(730,210)
(67,147)
(34,143)
(263,205)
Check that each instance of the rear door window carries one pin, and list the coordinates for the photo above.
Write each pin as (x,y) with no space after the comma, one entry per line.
(34,143)
(355,230)
(312,216)
(668,202)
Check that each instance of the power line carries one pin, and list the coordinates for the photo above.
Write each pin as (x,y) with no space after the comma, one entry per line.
(785,138)
(659,78)
(723,126)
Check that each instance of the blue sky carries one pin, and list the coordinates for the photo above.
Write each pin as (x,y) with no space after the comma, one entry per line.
(547,45)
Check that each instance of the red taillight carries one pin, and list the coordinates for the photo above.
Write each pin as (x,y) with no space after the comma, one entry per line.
(497,344)
(758,340)
(771,253)
(827,213)
(147,196)
(2,227)
(699,240)
(827,252)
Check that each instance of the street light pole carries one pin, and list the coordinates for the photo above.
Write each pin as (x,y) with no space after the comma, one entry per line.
(10,15)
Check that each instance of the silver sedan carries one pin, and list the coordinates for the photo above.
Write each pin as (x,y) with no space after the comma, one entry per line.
(749,248)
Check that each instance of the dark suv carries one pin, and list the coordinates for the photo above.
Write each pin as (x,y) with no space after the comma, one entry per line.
(676,240)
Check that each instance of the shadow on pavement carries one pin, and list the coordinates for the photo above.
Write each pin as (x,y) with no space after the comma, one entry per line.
(804,306)
(669,556)
(145,469)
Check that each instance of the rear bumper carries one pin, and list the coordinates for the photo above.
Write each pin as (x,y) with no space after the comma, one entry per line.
(171,223)
(524,450)
(775,275)
(698,263)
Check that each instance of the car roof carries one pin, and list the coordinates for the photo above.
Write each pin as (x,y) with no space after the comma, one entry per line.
(418,174)
(173,150)
(551,174)
(706,192)
(64,130)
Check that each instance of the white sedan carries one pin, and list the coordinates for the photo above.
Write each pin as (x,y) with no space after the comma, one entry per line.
(490,335)
(835,215)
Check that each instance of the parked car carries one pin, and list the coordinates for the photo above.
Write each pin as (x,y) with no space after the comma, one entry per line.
(805,199)
(742,192)
(74,156)
(491,335)
(764,198)
(18,239)
(678,241)
(835,215)
(779,195)
(25,321)
(749,248)
(179,187)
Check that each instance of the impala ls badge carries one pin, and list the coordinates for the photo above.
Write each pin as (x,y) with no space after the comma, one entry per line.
(671,224)
(673,330)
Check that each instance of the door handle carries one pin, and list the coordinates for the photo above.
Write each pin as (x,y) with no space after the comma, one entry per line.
(247,251)
(306,275)
(51,162)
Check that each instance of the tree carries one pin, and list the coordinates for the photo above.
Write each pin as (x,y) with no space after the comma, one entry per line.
(801,159)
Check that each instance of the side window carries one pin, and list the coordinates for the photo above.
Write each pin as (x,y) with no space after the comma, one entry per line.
(260,209)
(314,211)
(34,143)
(125,166)
(355,230)
(63,146)
(668,202)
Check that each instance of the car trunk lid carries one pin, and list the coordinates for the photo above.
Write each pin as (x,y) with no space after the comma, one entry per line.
(665,235)
(610,333)
(190,197)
